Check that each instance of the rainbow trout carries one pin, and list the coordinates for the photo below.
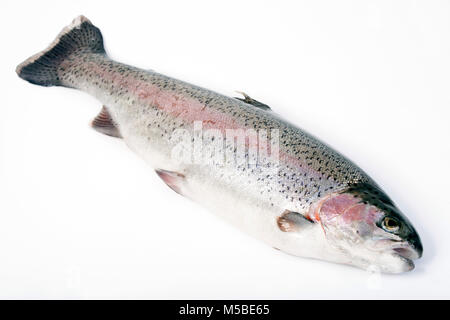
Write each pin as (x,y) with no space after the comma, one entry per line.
(236,157)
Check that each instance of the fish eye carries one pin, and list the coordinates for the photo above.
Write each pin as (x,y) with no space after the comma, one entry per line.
(390,224)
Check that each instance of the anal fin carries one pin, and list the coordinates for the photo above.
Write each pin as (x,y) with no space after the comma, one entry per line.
(173,179)
(105,124)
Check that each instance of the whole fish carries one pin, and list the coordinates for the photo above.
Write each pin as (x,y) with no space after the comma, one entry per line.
(236,157)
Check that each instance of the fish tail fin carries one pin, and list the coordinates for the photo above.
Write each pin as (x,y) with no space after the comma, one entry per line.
(44,68)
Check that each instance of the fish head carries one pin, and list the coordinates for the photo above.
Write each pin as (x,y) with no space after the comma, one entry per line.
(367,230)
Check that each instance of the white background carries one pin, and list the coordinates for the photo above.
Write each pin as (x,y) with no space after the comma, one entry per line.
(82,217)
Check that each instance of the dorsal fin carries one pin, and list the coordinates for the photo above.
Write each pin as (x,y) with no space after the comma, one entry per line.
(253,102)
(105,124)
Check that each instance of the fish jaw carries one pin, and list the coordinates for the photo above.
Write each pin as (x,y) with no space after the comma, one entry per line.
(384,262)
(398,256)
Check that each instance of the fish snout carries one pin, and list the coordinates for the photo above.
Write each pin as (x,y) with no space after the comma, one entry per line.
(416,246)
(410,249)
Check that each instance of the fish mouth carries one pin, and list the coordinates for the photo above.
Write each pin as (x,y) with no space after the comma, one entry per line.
(407,253)
(404,253)
(407,250)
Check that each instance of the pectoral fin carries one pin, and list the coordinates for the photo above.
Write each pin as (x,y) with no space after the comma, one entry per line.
(253,102)
(105,124)
(290,221)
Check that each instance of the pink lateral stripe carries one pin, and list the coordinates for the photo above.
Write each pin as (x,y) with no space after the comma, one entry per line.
(186,108)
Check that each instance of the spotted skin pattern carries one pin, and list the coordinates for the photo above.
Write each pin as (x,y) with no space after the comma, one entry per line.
(308,170)
(149,108)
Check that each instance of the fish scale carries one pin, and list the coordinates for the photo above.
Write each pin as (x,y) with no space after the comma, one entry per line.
(309,201)
(323,168)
